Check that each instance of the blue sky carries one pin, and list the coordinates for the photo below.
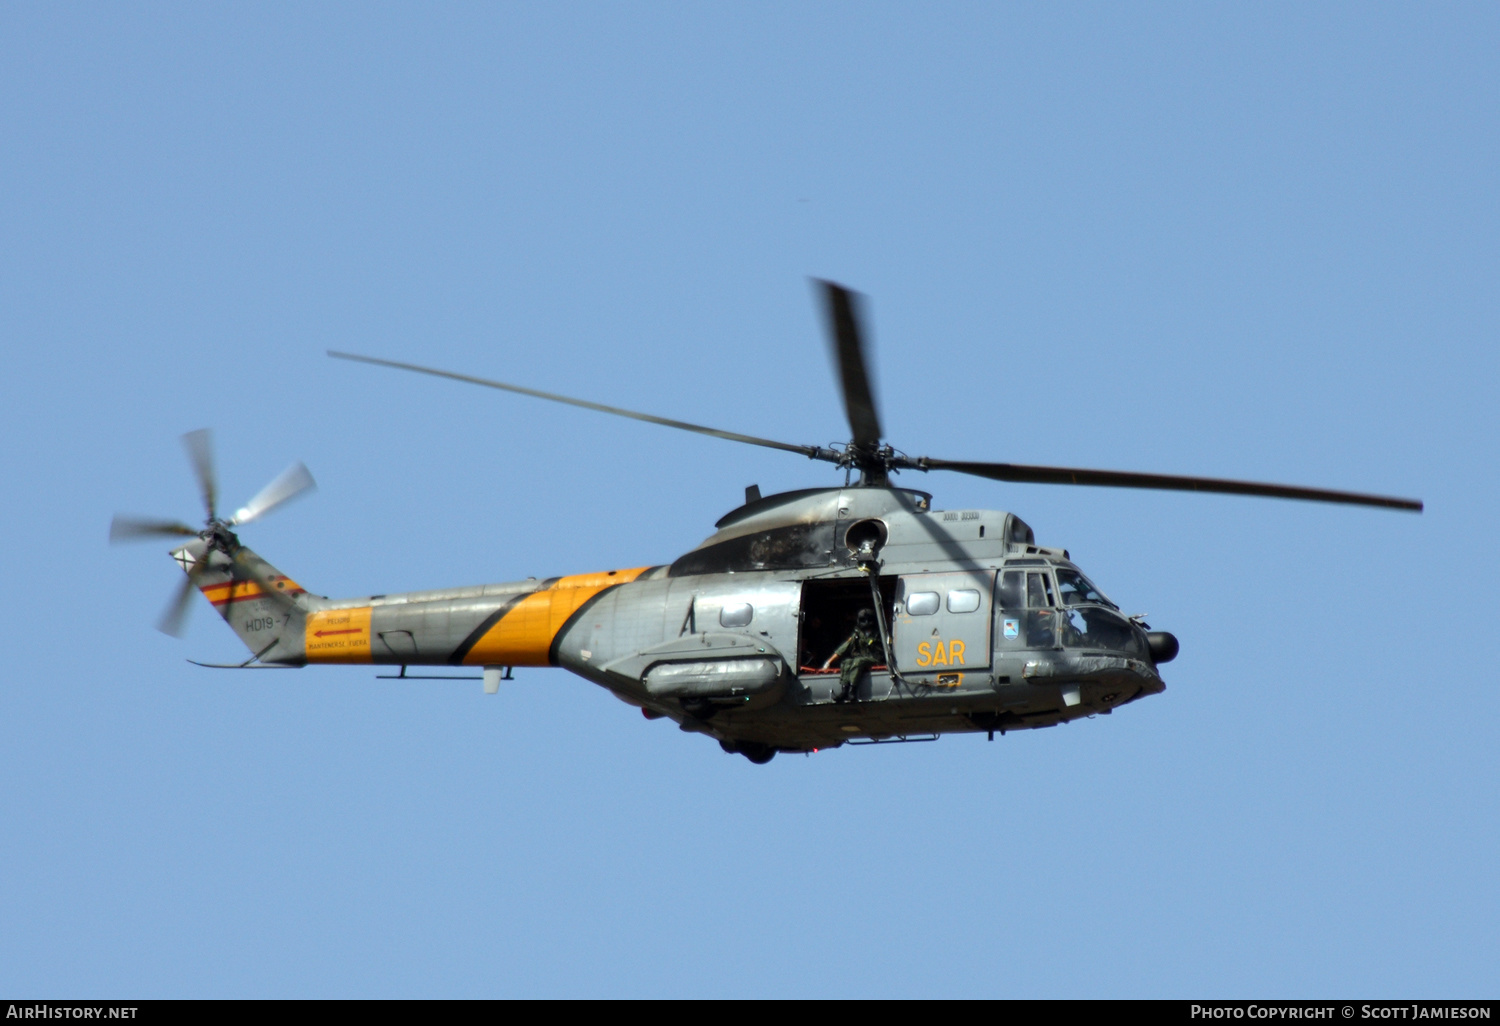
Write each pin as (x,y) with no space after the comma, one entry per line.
(1253,241)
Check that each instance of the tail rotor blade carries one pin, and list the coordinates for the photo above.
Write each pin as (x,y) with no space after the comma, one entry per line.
(130,529)
(292,482)
(200,450)
(847,339)
(174,617)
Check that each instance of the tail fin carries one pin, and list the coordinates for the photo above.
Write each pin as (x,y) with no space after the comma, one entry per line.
(263,606)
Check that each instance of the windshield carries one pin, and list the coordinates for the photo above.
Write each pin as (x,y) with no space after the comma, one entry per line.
(1091,627)
(1077,589)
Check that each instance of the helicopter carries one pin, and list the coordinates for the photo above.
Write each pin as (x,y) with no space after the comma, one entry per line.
(969,625)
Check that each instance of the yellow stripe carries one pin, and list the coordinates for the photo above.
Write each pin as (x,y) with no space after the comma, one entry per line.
(523,636)
(242,590)
(339,636)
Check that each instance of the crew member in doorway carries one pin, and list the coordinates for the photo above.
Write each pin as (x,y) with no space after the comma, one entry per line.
(861,651)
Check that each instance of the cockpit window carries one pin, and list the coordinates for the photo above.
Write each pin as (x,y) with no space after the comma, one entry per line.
(1012,595)
(1077,589)
(1039,591)
(1092,627)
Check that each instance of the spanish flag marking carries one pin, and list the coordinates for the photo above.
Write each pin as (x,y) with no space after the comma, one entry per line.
(240,591)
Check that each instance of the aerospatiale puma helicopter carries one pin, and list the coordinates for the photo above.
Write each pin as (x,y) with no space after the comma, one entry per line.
(980,629)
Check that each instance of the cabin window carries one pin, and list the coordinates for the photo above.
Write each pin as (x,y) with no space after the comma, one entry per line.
(922,603)
(736,614)
(964,600)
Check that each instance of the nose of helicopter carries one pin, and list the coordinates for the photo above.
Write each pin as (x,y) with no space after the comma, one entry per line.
(1163,646)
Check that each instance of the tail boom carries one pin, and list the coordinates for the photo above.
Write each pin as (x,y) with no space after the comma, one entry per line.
(494,625)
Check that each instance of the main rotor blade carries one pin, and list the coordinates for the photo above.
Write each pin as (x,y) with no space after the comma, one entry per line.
(128,529)
(811,451)
(200,449)
(292,482)
(1161,482)
(847,339)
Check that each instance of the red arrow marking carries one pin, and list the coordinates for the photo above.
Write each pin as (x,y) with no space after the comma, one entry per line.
(347,630)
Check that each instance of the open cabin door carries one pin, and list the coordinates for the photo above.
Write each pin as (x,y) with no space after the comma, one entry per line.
(829,612)
(943,625)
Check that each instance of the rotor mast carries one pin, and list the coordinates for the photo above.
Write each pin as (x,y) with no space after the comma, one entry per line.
(846,337)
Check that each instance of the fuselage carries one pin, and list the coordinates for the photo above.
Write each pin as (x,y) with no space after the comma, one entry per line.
(987,630)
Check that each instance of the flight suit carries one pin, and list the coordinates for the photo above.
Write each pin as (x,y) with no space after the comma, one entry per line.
(860,652)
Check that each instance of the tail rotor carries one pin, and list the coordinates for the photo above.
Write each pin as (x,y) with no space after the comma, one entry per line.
(215,544)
